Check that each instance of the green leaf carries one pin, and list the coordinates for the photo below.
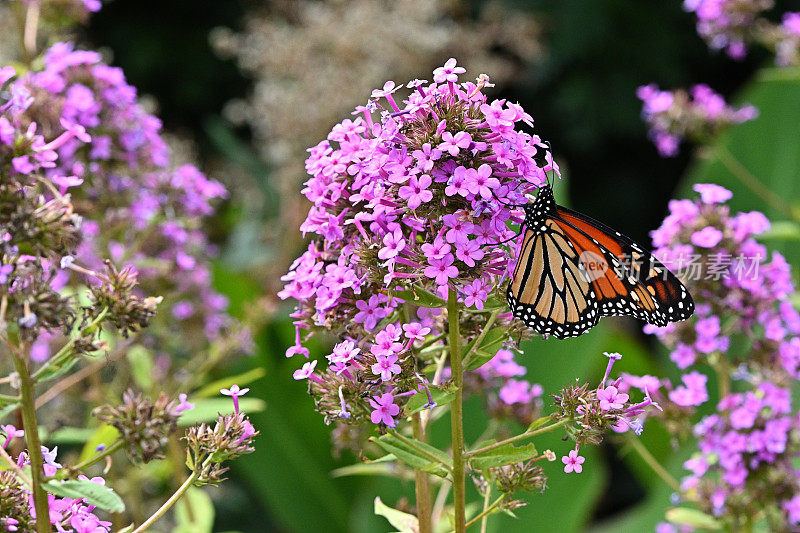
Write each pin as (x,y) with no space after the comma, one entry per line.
(404,522)
(55,371)
(781,230)
(127,529)
(539,422)
(194,513)
(105,435)
(7,410)
(416,454)
(686,516)
(381,467)
(141,361)
(69,435)
(95,494)
(504,455)
(483,353)
(212,389)
(208,409)
(441,395)
(420,298)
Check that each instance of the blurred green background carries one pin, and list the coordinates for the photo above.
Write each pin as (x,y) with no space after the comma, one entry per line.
(576,75)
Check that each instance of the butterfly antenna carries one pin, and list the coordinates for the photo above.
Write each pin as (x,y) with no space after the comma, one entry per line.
(521,229)
(506,203)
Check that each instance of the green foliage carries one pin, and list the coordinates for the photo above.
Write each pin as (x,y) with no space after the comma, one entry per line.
(504,455)
(194,512)
(404,522)
(442,395)
(94,493)
(766,150)
(416,454)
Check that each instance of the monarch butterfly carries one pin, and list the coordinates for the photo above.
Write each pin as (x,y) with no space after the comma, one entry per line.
(571,271)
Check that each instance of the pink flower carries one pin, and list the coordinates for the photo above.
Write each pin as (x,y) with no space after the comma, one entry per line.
(707,237)
(416,192)
(305,371)
(480,182)
(454,143)
(572,462)
(386,366)
(711,193)
(611,398)
(441,269)
(384,409)
(449,72)
(234,392)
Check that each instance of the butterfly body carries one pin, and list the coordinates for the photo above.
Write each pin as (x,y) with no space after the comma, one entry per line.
(572,270)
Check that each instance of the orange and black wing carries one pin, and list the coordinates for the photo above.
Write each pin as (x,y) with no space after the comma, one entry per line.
(640,285)
(549,290)
(572,270)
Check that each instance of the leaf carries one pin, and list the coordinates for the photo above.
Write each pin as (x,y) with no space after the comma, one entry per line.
(7,410)
(105,435)
(781,230)
(420,298)
(416,454)
(194,513)
(490,344)
(404,522)
(504,455)
(441,395)
(686,516)
(95,494)
(374,468)
(212,389)
(55,371)
(539,422)
(141,361)
(70,435)
(209,409)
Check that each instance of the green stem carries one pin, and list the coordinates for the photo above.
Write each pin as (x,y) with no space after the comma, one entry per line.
(479,339)
(66,351)
(6,399)
(486,498)
(412,444)
(421,486)
(751,182)
(28,408)
(519,437)
(653,463)
(485,512)
(169,503)
(457,414)
(83,465)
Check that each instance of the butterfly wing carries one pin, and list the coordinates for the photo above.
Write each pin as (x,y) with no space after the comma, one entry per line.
(646,288)
(549,290)
(573,269)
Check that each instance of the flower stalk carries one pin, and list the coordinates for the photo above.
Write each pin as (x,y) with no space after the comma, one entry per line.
(457,413)
(421,486)
(28,408)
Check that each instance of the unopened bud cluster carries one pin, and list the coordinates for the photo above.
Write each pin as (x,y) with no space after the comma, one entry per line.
(143,424)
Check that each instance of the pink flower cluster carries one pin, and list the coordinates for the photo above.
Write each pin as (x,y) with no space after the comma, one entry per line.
(746,328)
(410,198)
(137,207)
(674,115)
(751,298)
(746,454)
(66,514)
(727,24)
